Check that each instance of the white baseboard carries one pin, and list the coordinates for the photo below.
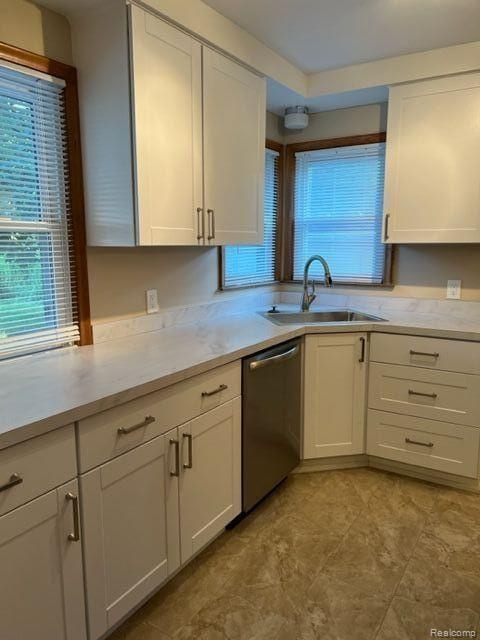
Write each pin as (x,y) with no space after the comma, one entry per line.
(429,475)
(328,464)
(400,468)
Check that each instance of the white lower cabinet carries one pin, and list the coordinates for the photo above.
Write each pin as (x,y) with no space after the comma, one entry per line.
(149,510)
(423,404)
(452,448)
(130,519)
(210,482)
(334,395)
(42,593)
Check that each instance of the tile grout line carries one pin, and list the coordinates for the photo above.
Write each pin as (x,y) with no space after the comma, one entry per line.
(347,531)
(152,626)
(406,564)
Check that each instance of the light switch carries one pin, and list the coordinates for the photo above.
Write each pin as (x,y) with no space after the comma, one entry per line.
(454,289)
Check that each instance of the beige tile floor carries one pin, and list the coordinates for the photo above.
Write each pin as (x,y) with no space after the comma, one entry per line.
(339,555)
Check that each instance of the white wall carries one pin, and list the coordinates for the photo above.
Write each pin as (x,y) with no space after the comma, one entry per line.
(340,123)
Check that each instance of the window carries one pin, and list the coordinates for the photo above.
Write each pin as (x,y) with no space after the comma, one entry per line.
(338,208)
(254,265)
(38,292)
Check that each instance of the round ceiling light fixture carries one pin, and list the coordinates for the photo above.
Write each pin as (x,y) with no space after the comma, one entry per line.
(296,117)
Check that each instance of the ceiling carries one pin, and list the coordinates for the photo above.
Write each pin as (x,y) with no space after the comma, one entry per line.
(65,7)
(316,35)
(324,34)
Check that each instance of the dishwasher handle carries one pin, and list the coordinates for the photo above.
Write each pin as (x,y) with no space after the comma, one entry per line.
(286,355)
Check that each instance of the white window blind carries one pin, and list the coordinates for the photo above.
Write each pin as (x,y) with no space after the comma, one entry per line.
(249,265)
(338,212)
(37,300)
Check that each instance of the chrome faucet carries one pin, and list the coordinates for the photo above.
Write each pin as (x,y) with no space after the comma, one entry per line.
(308,298)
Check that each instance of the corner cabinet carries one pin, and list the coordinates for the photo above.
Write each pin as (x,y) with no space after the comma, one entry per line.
(432,184)
(173,134)
(335,395)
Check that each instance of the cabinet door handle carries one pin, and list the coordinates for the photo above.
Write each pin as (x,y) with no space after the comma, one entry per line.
(188,438)
(75,535)
(176,444)
(421,444)
(219,389)
(411,392)
(124,430)
(424,353)
(362,352)
(200,224)
(387,219)
(15,479)
(211,224)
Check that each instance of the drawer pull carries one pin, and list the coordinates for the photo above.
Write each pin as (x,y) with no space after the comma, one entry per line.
(176,471)
(75,535)
(424,353)
(422,444)
(14,480)
(207,394)
(411,392)
(124,430)
(189,464)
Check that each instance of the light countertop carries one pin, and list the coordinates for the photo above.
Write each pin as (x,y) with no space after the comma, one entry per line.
(42,392)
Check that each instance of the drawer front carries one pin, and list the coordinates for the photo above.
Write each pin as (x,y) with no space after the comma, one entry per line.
(425,443)
(111,433)
(431,353)
(437,395)
(31,468)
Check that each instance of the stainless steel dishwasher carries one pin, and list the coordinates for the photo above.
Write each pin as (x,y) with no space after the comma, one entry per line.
(271,419)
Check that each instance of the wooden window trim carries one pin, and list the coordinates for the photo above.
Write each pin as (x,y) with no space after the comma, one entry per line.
(69,75)
(280,148)
(289,203)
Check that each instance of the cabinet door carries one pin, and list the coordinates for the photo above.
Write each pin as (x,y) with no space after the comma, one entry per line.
(167,120)
(234,150)
(130,516)
(210,483)
(432,188)
(334,401)
(41,583)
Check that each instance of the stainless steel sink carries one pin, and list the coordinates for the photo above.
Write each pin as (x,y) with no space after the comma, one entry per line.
(319,317)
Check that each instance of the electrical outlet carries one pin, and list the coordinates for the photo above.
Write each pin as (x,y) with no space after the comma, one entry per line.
(152,301)
(454,289)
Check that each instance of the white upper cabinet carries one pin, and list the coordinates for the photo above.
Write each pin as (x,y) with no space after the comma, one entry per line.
(234,139)
(166,135)
(432,189)
(167,124)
